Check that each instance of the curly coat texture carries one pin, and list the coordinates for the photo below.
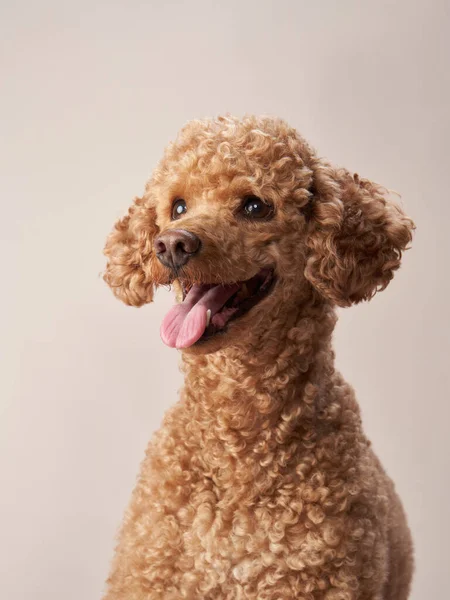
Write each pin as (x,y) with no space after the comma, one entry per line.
(261,483)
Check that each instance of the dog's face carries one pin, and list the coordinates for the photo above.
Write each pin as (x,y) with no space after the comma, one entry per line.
(247,224)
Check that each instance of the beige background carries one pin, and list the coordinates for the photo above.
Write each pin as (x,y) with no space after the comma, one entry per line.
(90,94)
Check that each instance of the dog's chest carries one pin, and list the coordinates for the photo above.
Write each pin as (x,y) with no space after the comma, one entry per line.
(234,539)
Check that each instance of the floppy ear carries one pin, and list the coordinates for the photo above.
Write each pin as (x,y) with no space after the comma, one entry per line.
(356,236)
(129,248)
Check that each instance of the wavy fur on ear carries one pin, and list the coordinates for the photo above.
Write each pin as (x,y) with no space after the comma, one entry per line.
(356,236)
(129,249)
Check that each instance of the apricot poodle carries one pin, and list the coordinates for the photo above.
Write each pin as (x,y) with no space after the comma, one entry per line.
(261,483)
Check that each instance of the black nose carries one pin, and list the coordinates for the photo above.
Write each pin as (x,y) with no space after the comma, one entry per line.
(175,247)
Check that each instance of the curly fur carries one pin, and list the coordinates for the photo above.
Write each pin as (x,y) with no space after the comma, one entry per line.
(261,483)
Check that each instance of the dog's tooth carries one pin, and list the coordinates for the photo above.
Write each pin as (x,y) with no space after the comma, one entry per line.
(243,292)
(208,317)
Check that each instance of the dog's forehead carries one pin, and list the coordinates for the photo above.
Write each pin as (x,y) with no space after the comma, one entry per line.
(237,160)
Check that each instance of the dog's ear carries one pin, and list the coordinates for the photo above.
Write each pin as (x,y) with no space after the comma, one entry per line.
(356,236)
(129,249)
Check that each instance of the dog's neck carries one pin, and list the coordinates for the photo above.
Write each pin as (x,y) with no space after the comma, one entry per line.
(248,397)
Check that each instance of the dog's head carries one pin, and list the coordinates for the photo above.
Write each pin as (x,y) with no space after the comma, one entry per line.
(247,223)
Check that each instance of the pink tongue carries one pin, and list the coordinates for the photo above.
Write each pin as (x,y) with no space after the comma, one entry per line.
(185,323)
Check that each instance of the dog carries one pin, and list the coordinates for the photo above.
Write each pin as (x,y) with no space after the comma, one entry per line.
(261,483)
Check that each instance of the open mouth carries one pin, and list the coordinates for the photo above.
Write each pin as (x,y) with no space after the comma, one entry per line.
(207,309)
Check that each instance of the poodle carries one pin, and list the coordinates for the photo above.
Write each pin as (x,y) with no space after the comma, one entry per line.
(261,483)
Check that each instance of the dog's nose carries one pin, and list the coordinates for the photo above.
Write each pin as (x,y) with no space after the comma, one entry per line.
(176,246)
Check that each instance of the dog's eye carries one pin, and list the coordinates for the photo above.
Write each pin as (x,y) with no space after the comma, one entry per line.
(255,208)
(178,208)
